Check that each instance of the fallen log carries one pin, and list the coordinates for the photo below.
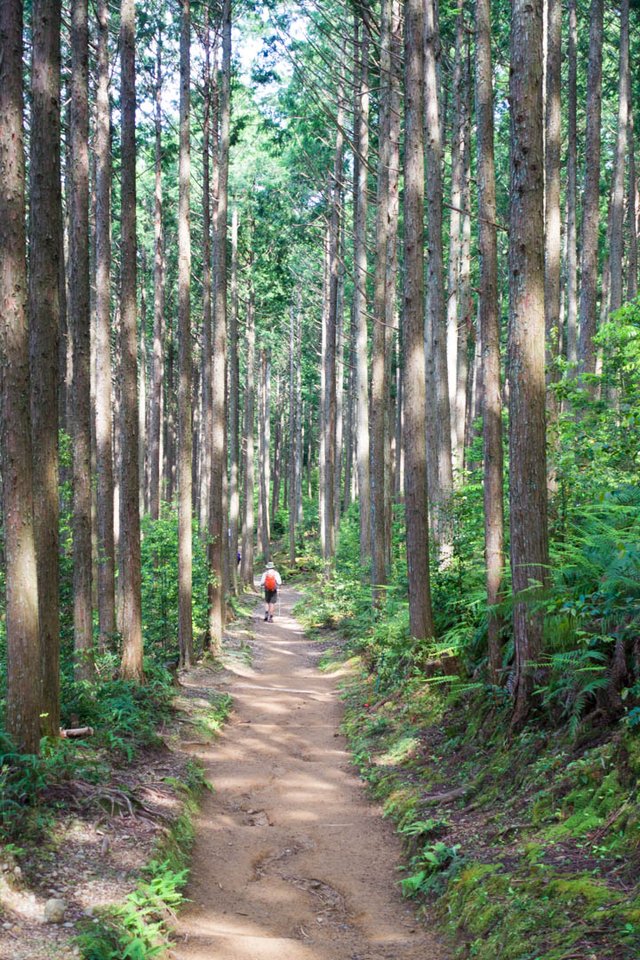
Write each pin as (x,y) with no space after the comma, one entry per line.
(76,732)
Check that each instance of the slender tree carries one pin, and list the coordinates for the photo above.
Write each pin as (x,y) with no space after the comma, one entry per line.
(103,388)
(617,190)
(79,322)
(22,628)
(131,665)
(234,402)
(217,523)
(527,440)
(439,416)
(248,521)
(415,453)
(572,189)
(185,478)
(156,418)
(360,176)
(44,320)
(591,194)
(553,224)
(489,334)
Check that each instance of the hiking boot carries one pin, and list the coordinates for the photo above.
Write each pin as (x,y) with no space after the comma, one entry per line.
(270,619)
(266,617)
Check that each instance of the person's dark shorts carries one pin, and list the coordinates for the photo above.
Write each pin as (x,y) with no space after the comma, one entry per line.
(270,596)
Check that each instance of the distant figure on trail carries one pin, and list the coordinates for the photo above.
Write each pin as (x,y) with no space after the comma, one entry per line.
(270,580)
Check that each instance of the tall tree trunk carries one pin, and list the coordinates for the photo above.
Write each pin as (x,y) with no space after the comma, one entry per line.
(234,416)
(157,405)
(439,416)
(142,384)
(217,527)
(293,432)
(337,487)
(360,202)
(347,493)
(455,222)
(131,666)
(185,415)
(572,190)
(489,317)
(617,194)
(378,419)
(45,224)
(591,195)
(322,413)
(527,440)
(465,300)
(553,219)
(103,401)
(79,322)
(416,499)
(206,366)
(265,444)
(632,209)
(246,565)
(24,664)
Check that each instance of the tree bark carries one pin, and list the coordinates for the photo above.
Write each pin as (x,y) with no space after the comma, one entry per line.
(248,523)
(632,209)
(234,416)
(591,195)
(24,664)
(572,190)
(209,134)
(45,225)
(489,318)
(131,665)
(527,440)
(439,462)
(455,222)
(79,322)
(553,220)
(416,498)
(360,203)
(264,464)
(616,246)
(103,401)
(217,524)
(157,397)
(185,413)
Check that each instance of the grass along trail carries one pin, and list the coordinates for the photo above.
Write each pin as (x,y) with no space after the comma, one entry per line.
(291,860)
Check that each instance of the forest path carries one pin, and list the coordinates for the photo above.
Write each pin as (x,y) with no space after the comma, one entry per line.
(291,860)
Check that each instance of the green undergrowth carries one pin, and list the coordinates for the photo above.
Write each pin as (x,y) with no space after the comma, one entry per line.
(139,928)
(523,846)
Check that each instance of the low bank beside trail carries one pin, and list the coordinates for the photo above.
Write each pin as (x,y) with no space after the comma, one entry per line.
(519,846)
(99,847)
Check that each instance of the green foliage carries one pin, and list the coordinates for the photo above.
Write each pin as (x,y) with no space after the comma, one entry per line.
(160,584)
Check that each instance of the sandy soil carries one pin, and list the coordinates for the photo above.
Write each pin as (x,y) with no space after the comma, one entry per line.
(292,862)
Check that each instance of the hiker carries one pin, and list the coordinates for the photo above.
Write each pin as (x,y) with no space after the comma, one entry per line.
(270,580)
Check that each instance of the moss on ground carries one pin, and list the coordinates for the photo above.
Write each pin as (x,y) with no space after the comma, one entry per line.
(538,837)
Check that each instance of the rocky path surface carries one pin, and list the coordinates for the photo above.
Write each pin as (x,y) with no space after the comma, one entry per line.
(291,860)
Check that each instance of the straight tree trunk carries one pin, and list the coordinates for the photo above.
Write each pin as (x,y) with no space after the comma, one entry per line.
(415,435)
(265,444)
(323,399)
(234,415)
(45,225)
(293,432)
(24,655)
(207,318)
(632,210)
(340,410)
(439,417)
(527,440)
(616,246)
(465,321)
(455,239)
(157,405)
(131,666)
(360,202)
(217,523)
(553,219)
(142,385)
(79,322)
(591,195)
(572,191)
(103,401)
(246,564)
(489,337)
(185,414)
(348,420)
(378,419)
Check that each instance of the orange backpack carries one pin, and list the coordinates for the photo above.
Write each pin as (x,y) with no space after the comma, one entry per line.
(270,582)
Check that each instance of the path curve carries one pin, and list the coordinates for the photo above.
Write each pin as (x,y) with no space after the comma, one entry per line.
(291,860)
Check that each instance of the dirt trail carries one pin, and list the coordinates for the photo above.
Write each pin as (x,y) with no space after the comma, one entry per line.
(291,860)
